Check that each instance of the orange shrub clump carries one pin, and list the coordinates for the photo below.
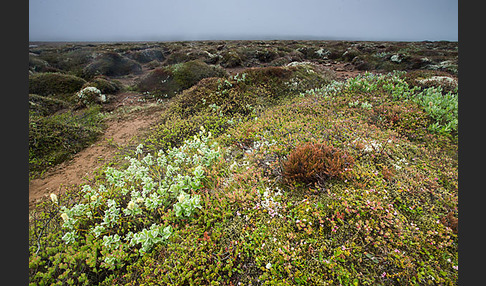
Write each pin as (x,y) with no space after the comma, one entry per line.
(315,163)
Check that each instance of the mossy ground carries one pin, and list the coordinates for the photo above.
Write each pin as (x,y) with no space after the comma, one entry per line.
(55,138)
(390,219)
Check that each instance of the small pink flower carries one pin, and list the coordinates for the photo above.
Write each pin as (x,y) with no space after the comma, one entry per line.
(383,275)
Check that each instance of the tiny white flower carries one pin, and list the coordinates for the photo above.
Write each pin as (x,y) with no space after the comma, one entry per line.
(64,217)
(269,265)
(103,98)
(181,197)
(131,205)
(54,198)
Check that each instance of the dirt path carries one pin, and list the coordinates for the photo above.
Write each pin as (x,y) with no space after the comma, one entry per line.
(119,132)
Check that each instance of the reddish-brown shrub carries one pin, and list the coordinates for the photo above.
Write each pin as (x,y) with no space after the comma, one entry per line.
(451,221)
(315,163)
(387,173)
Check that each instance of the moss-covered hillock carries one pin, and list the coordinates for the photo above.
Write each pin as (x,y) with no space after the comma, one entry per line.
(231,59)
(147,55)
(37,64)
(249,90)
(190,73)
(167,81)
(158,81)
(111,64)
(47,84)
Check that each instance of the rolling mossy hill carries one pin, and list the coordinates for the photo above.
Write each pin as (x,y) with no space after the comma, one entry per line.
(52,84)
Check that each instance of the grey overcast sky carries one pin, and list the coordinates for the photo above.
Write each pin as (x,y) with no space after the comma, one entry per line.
(161,20)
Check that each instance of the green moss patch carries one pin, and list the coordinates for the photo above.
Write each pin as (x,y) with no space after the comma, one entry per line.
(56,138)
(45,105)
(52,84)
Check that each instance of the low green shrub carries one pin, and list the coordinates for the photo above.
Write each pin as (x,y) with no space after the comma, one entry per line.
(247,92)
(440,107)
(266,55)
(173,129)
(189,73)
(212,94)
(115,224)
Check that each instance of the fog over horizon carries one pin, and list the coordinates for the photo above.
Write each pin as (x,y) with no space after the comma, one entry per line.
(186,20)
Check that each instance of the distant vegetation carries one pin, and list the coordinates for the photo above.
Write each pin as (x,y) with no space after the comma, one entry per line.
(265,168)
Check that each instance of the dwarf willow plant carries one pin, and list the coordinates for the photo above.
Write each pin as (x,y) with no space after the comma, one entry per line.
(442,108)
(126,213)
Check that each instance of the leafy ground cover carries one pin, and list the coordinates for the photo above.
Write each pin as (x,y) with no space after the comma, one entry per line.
(54,138)
(212,196)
